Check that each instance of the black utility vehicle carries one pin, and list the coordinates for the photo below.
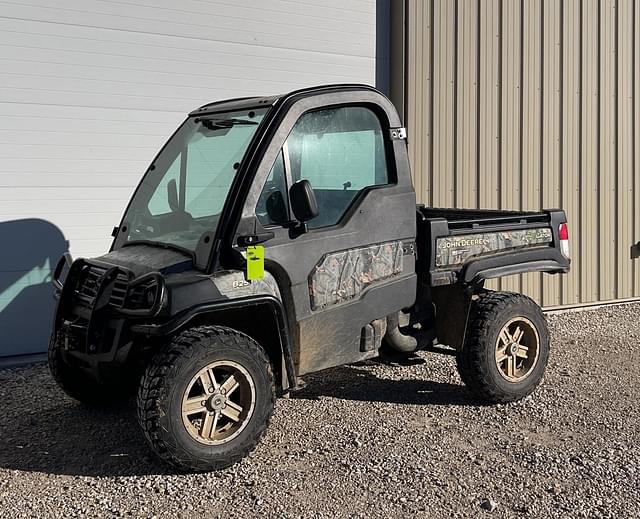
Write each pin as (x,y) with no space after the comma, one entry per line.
(278,236)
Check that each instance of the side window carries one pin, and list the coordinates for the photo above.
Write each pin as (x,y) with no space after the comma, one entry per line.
(272,207)
(341,152)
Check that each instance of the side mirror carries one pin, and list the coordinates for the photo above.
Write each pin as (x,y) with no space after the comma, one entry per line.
(172,195)
(303,201)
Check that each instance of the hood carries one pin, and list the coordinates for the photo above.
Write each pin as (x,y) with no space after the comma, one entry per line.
(142,259)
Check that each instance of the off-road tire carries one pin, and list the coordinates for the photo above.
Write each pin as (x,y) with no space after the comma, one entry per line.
(476,360)
(83,388)
(167,378)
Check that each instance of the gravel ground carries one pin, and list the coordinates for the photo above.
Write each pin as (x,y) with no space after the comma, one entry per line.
(359,441)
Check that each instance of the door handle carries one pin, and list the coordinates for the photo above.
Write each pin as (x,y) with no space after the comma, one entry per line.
(254,239)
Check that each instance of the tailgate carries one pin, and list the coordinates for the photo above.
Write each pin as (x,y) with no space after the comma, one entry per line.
(471,246)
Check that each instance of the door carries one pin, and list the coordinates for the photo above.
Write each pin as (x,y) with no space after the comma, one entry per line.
(355,264)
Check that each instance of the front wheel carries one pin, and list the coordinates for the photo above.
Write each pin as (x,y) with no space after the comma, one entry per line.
(506,347)
(206,399)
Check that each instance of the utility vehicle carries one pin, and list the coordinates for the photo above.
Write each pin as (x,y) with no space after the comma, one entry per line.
(273,237)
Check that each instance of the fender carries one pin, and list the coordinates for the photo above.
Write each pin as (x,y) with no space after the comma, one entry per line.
(544,259)
(182,320)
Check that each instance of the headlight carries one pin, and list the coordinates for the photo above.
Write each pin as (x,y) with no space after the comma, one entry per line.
(150,295)
(145,295)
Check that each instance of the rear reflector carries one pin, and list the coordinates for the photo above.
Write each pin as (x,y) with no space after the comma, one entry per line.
(563,235)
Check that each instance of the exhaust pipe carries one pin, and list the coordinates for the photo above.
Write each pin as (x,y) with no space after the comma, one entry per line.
(398,340)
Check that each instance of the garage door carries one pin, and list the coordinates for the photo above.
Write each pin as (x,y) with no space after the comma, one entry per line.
(89,91)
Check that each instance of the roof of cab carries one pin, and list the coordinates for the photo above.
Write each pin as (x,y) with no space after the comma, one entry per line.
(237,103)
(240,103)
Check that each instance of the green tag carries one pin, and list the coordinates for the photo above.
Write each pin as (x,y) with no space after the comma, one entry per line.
(255,262)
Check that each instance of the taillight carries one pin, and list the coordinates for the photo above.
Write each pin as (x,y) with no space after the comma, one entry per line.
(563,236)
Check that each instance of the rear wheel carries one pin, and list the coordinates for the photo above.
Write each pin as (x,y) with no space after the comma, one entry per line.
(206,399)
(506,348)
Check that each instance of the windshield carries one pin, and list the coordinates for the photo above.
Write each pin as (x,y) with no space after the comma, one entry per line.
(184,191)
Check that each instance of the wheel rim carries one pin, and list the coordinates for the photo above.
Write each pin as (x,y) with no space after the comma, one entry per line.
(517,349)
(218,402)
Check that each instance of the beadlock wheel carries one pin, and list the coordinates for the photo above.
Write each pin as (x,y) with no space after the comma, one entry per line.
(218,403)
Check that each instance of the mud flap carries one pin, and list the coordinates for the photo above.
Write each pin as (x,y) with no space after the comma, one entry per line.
(452,304)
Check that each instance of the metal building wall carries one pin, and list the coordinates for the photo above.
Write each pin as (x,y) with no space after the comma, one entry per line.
(529,104)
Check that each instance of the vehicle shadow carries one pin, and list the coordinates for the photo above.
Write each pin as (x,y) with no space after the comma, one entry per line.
(42,430)
(360,384)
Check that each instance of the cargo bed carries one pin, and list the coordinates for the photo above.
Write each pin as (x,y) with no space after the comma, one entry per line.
(472,245)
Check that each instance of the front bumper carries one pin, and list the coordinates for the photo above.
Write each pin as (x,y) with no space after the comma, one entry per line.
(96,303)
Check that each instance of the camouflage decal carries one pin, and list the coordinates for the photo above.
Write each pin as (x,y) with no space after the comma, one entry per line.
(455,250)
(232,284)
(341,276)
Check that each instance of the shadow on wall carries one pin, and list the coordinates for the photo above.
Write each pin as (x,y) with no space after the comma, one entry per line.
(30,250)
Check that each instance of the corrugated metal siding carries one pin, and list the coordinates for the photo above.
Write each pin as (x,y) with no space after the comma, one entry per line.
(530,104)
(90,90)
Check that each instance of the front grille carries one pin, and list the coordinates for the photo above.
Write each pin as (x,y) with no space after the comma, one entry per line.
(89,283)
(119,292)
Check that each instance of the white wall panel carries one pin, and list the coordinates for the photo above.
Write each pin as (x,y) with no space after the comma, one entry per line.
(90,90)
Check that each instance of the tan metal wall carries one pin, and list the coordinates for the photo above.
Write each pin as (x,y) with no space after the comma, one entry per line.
(525,104)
